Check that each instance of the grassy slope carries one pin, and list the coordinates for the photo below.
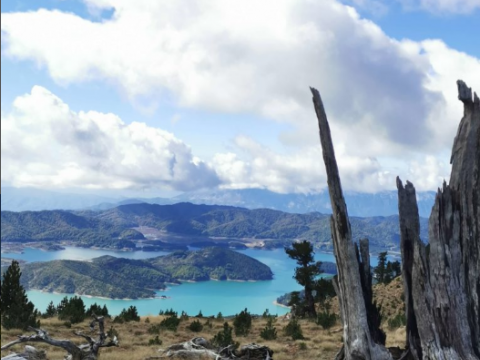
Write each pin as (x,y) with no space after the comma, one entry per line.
(321,344)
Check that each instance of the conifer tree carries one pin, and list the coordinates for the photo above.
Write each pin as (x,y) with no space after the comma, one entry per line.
(17,311)
(308,269)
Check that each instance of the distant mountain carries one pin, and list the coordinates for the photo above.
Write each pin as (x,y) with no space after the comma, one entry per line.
(359,204)
(32,199)
(113,228)
(279,228)
(108,275)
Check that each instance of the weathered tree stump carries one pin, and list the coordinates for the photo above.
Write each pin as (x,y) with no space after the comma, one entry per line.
(363,340)
(199,348)
(83,352)
(442,280)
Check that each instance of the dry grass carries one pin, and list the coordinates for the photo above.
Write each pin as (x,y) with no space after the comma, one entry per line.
(134,337)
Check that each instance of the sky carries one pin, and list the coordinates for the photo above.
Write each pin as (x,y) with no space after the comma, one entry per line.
(163,97)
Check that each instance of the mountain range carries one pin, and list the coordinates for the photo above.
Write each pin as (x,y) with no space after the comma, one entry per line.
(359,204)
(191,224)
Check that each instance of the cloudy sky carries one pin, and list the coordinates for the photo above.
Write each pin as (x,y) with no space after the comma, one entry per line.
(162,97)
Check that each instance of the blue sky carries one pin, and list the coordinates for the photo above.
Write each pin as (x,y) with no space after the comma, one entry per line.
(165,97)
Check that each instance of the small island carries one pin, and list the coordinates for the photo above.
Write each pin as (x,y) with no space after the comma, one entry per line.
(119,278)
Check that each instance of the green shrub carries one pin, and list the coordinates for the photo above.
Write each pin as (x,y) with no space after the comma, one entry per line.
(294,330)
(155,341)
(242,323)
(220,316)
(199,315)
(168,312)
(72,309)
(269,332)
(127,315)
(302,346)
(224,338)
(195,326)
(397,321)
(170,323)
(326,319)
(154,329)
(208,324)
(147,321)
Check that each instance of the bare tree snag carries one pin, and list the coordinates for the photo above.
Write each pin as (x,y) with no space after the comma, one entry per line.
(83,352)
(359,339)
(442,281)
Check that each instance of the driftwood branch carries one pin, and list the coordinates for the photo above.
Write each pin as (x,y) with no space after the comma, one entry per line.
(362,337)
(442,281)
(199,348)
(83,352)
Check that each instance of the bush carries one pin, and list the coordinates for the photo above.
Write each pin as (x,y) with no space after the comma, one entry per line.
(170,323)
(220,316)
(269,332)
(154,329)
(224,338)
(294,330)
(155,341)
(326,319)
(147,321)
(208,324)
(195,326)
(199,315)
(112,333)
(397,321)
(128,315)
(97,310)
(168,312)
(242,323)
(72,309)
(302,346)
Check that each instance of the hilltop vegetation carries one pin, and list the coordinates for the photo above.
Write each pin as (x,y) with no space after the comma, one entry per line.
(112,277)
(212,263)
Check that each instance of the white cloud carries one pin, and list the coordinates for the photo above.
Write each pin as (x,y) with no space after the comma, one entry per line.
(395,99)
(46,144)
(442,6)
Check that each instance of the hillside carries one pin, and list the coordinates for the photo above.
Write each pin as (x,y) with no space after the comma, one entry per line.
(112,277)
(193,223)
(212,263)
(260,224)
(61,225)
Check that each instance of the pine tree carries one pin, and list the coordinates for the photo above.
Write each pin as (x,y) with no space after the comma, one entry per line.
(380,270)
(16,311)
(51,310)
(308,269)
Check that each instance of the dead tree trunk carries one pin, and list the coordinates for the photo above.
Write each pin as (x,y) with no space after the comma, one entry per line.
(360,335)
(442,280)
(83,352)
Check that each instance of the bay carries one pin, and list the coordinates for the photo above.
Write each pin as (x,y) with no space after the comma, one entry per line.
(210,297)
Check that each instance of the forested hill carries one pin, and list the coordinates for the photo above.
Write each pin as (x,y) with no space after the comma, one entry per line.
(113,277)
(233,222)
(60,225)
(190,220)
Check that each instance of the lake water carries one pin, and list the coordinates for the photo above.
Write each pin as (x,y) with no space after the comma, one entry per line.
(210,297)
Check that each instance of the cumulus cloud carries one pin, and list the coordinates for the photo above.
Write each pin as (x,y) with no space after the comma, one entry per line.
(254,165)
(46,144)
(384,97)
(442,6)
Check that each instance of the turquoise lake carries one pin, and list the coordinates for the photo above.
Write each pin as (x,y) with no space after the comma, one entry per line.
(210,297)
